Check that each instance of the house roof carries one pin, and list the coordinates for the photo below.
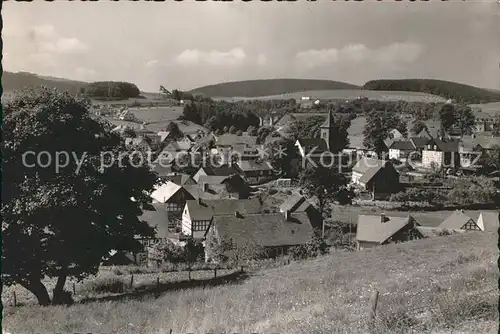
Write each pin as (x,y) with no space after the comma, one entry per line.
(210,208)
(371,229)
(164,192)
(484,142)
(265,229)
(232,139)
(162,169)
(211,179)
(180,179)
(252,165)
(456,220)
(224,170)
(402,144)
(328,121)
(488,221)
(308,144)
(446,144)
(419,142)
(163,135)
(156,216)
(214,192)
(293,202)
(178,146)
(369,167)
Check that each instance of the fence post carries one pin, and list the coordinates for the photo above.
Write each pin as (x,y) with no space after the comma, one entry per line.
(74,289)
(373,309)
(158,282)
(215,272)
(242,269)
(15,298)
(189,273)
(132,280)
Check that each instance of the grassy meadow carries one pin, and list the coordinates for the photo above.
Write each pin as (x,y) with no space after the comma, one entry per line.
(432,285)
(349,94)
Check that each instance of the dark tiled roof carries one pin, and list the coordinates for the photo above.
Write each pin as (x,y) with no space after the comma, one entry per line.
(251,165)
(372,229)
(318,144)
(231,140)
(210,208)
(403,144)
(419,142)
(265,229)
(369,167)
(456,220)
(224,170)
(292,203)
(181,179)
(447,145)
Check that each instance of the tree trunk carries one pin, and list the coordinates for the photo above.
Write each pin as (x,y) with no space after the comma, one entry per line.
(38,289)
(59,289)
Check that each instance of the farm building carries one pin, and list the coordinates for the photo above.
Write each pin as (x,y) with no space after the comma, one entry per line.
(381,229)
(173,195)
(458,220)
(441,152)
(275,232)
(224,170)
(297,203)
(198,214)
(255,171)
(377,176)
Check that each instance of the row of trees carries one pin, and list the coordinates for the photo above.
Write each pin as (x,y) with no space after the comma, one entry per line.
(111,90)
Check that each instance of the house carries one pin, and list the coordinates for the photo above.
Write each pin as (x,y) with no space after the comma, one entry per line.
(179,145)
(401,149)
(395,134)
(198,214)
(255,171)
(298,203)
(471,147)
(458,220)
(223,170)
(276,233)
(376,176)
(376,230)
(441,152)
(173,195)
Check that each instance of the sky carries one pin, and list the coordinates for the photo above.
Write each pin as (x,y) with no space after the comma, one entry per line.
(189,44)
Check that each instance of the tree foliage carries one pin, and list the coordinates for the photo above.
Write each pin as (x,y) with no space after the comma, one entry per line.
(62,223)
(174,130)
(465,120)
(377,128)
(111,90)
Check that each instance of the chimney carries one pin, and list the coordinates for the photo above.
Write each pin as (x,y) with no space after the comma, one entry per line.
(205,186)
(287,215)
(383,218)
(199,200)
(236,214)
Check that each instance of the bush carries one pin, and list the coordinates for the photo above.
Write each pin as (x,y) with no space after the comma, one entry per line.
(105,284)
(314,248)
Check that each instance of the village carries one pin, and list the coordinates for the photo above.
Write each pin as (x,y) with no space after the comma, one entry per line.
(219,185)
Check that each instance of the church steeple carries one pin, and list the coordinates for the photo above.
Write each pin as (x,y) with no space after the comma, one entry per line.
(326,127)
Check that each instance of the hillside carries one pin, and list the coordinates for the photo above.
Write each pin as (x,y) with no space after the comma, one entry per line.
(447,89)
(254,88)
(347,94)
(14,81)
(431,285)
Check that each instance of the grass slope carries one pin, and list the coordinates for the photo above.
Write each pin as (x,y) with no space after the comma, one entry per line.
(428,285)
(447,89)
(348,94)
(255,88)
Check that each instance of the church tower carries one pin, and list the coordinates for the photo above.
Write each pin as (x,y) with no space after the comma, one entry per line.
(326,129)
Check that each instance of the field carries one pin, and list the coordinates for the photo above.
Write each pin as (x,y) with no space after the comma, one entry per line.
(348,94)
(487,109)
(439,284)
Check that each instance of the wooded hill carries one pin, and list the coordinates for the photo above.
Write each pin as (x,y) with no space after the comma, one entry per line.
(447,89)
(255,88)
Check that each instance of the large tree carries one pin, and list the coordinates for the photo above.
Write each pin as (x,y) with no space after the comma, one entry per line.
(174,130)
(376,131)
(465,121)
(63,221)
(447,117)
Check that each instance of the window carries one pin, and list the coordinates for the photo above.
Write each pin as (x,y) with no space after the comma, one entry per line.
(200,225)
